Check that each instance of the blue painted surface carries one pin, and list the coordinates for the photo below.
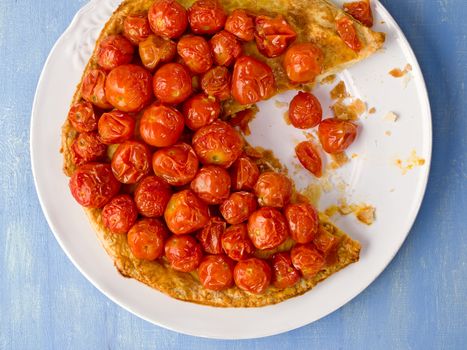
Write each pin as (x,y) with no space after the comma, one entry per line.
(419,302)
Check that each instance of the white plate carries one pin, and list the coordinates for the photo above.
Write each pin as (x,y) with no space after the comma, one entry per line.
(372,177)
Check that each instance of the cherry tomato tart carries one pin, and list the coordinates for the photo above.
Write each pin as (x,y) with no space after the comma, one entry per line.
(206,17)
(303,62)
(241,24)
(305,111)
(225,48)
(161,125)
(131,162)
(172,83)
(216,83)
(309,157)
(87,147)
(93,88)
(273,35)
(155,50)
(82,117)
(114,51)
(244,174)
(211,234)
(284,274)
(336,135)
(216,272)
(236,243)
(195,53)
(120,214)
(212,184)
(307,259)
(303,222)
(151,196)
(267,228)
(238,207)
(252,275)
(167,18)
(116,127)
(136,28)
(146,239)
(183,253)
(273,189)
(201,110)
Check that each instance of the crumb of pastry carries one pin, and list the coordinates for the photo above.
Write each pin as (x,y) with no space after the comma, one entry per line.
(372,110)
(391,117)
(387,133)
(411,162)
(366,214)
(329,79)
(339,91)
(338,160)
(286,117)
(349,112)
(399,73)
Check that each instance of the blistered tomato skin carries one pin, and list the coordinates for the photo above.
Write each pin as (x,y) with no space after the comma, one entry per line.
(172,83)
(303,62)
(146,239)
(309,157)
(240,24)
(131,162)
(87,147)
(114,51)
(211,234)
(93,88)
(212,184)
(156,50)
(336,135)
(167,18)
(361,11)
(206,17)
(161,125)
(252,275)
(195,53)
(324,241)
(267,228)
(93,185)
(226,48)
(284,274)
(183,253)
(273,35)
(216,82)
(151,196)
(201,110)
(116,127)
(218,144)
(216,272)
(236,243)
(348,34)
(305,111)
(120,214)
(186,213)
(307,259)
(177,164)
(273,189)
(238,207)
(244,174)
(136,28)
(128,88)
(82,117)
(303,222)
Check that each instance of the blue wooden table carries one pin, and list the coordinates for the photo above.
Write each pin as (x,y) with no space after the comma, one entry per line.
(419,302)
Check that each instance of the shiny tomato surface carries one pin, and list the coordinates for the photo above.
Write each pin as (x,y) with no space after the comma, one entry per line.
(216,272)
(155,50)
(176,164)
(151,196)
(186,213)
(252,81)
(114,51)
(218,144)
(252,275)
(183,253)
(336,135)
(307,259)
(201,110)
(216,83)
(236,243)
(161,125)
(120,214)
(128,88)
(273,35)
(238,207)
(309,157)
(348,33)
(195,53)
(82,117)
(212,184)
(267,228)
(361,11)
(244,174)
(146,239)
(136,28)
(225,47)
(87,147)
(93,185)
(167,18)
(305,111)
(116,127)
(273,189)
(206,17)
(241,24)
(325,241)
(303,222)
(131,162)
(93,88)
(211,234)
(284,274)
(172,83)
(303,62)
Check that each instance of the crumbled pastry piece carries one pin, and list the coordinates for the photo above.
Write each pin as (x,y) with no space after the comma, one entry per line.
(391,117)
(329,79)
(388,133)
(398,73)
(339,91)
(332,210)
(411,162)
(372,110)
(348,112)
(366,214)
(338,160)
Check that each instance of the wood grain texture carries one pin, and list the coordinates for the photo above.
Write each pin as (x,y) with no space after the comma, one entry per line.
(419,302)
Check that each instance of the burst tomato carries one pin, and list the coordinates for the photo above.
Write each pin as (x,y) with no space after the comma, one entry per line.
(238,207)
(336,135)
(303,222)
(273,189)
(348,34)
(87,148)
(273,35)
(201,110)
(167,18)
(195,53)
(361,11)
(172,83)
(151,196)
(146,239)
(136,28)
(267,228)
(114,51)
(252,275)
(216,82)
(206,17)
(325,241)
(307,259)
(305,111)
(155,50)
(241,25)
(82,117)
(309,157)
(212,184)
(183,253)
(211,234)
(120,214)
(216,272)
(235,242)
(131,162)
(161,125)
(225,48)
(303,62)
(116,127)
(244,174)
(284,274)
(93,88)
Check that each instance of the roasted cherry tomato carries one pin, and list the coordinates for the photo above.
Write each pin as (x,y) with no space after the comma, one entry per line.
(361,11)
(325,241)
(267,228)
(309,157)
(201,110)
(225,47)
(87,148)
(252,275)
(155,50)
(218,143)
(186,213)
(303,62)
(131,161)
(348,34)
(136,28)
(273,35)
(206,17)
(336,135)
(241,25)
(212,184)
(151,196)
(307,259)
(252,81)
(238,207)
(114,51)
(273,189)
(116,127)
(195,53)
(216,272)
(172,83)
(236,243)
(93,185)
(120,214)
(216,82)
(168,18)
(161,125)
(244,174)
(177,164)
(183,253)
(82,117)
(303,222)
(305,111)
(146,239)
(93,88)
(284,274)
(128,88)
(211,234)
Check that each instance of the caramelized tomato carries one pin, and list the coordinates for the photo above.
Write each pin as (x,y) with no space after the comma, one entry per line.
(82,117)
(172,83)
(87,148)
(93,185)
(151,196)
(273,35)
(348,34)
(307,259)
(211,234)
(116,127)
(146,239)
(168,18)
(303,222)
(114,51)
(201,110)
(252,81)
(155,50)
(325,241)
(216,83)
(186,213)
(120,214)
(273,189)
(267,228)
(216,272)
(244,174)
(235,242)
(238,207)
(183,253)
(136,28)
(361,11)
(309,157)
(336,135)
(161,125)
(177,164)
(303,62)
(212,184)
(128,88)
(218,143)
(131,162)
(240,24)
(225,47)
(93,88)
(206,17)
(252,275)
(305,111)
(284,274)
(195,53)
